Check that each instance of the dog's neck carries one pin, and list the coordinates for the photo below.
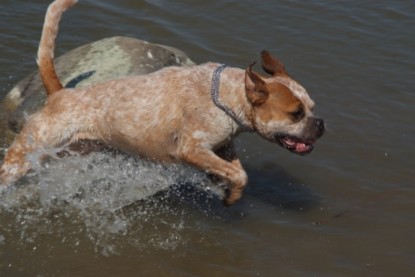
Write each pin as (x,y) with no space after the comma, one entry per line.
(228,94)
(228,110)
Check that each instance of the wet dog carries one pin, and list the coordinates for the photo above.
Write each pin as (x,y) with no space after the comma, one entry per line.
(177,114)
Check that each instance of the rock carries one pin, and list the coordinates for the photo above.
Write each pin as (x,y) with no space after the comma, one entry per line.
(101,60)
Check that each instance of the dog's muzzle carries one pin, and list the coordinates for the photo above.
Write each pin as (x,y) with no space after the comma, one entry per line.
(304,144)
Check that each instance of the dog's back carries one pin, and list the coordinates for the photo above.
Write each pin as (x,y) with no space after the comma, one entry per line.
(157,110)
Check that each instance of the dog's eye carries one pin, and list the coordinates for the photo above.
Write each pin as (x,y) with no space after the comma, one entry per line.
(298,114)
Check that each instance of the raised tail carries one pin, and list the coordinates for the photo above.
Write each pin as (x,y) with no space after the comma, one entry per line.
(45,53)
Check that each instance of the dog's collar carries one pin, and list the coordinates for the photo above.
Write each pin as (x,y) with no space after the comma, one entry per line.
(215,99)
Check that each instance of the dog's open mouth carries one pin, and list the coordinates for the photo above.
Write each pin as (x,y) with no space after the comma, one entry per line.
(295,144)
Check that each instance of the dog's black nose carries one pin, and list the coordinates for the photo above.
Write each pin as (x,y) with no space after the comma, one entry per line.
(320,126)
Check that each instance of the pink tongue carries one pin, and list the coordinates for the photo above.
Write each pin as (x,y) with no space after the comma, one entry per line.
(301,147)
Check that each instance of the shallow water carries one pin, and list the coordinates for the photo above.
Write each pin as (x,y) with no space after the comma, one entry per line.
(345,210)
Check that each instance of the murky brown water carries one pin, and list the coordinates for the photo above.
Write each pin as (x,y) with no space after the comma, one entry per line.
(356,58)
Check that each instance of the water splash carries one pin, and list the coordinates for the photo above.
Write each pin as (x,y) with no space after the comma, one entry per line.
(107,197)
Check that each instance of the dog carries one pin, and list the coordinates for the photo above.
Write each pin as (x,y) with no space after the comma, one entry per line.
(177,114)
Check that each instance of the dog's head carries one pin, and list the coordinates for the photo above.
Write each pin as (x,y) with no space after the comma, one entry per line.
(282,108)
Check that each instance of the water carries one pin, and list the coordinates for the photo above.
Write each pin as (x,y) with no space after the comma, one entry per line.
(345,210)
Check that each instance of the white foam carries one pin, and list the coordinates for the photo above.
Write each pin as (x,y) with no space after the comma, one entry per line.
(95,193)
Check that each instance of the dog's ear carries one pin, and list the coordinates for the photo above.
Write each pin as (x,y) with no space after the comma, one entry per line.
(272,65)
(255,87)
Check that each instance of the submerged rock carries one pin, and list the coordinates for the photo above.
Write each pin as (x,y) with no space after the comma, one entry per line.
(101,60)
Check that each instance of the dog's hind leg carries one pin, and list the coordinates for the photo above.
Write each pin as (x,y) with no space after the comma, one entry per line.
(37,135)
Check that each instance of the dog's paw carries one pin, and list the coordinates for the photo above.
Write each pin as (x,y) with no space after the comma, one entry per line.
(3,180)
(232,196)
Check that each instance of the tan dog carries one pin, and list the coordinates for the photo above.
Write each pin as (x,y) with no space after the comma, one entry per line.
(177,114)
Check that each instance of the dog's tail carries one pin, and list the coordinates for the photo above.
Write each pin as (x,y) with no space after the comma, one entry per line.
(47,45)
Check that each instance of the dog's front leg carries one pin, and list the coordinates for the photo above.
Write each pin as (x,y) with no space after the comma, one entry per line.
(233,172)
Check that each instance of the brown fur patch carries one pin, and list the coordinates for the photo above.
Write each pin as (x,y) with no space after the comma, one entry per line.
(280,102)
